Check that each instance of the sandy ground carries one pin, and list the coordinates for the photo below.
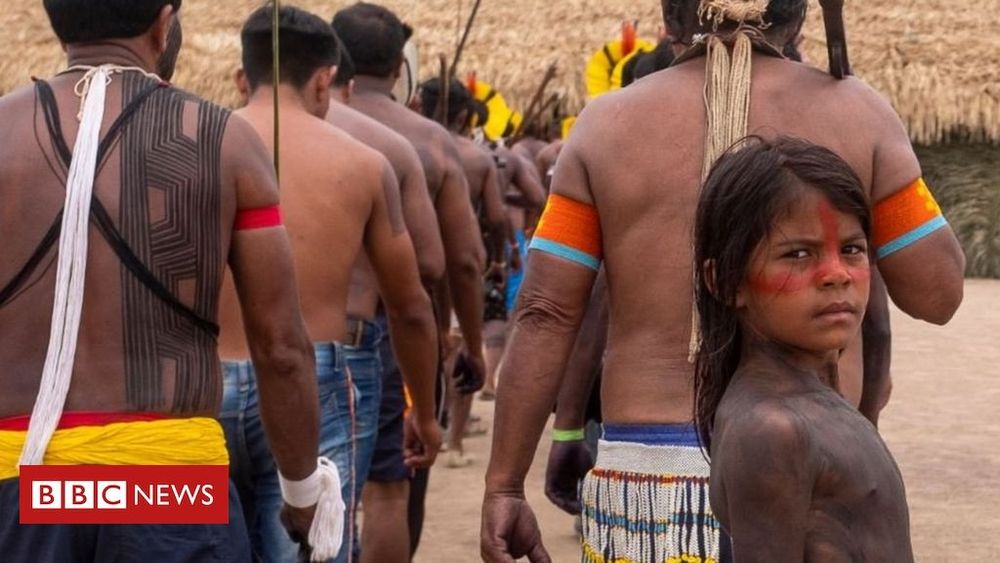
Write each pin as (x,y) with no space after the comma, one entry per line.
(943,425)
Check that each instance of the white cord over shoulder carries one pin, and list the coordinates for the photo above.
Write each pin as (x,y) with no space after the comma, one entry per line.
(70,274)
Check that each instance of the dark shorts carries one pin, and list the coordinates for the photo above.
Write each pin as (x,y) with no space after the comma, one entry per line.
(60,543)
(387,461)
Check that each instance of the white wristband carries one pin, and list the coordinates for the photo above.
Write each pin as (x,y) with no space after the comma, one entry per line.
(301,494)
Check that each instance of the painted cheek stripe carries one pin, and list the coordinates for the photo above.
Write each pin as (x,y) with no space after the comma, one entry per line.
(259,218)
(571,230)
(905,217)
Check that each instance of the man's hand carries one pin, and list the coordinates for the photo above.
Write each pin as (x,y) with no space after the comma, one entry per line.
(297,522)
(569,463)
(510,531)
(421,442)
(470,372)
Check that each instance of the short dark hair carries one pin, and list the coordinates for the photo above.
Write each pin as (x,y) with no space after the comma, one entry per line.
(374,37)
(459,99)
(307,45)
(756,182)
(345,70)
(83,21)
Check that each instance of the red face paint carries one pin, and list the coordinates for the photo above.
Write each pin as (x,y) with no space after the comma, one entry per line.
(830,264)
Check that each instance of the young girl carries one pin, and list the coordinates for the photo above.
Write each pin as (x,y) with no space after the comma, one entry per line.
(782,244)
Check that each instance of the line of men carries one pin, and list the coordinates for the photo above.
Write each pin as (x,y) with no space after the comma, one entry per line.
(185,188)
(328,316)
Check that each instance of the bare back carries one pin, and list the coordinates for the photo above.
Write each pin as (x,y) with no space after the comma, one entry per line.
(432,142)
(418,210)
(331,187)
(477,165)
(647,195)
(165,197)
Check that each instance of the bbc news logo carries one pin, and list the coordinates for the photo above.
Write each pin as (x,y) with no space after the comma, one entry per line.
(118,494)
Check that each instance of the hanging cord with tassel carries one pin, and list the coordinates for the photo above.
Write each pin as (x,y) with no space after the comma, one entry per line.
(727,93)
(70,272)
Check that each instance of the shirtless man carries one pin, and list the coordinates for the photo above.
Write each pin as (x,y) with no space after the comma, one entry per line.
(525,198)
(484,192)
(637,209)
(339,197)
(385,495)
(169,211)
(375,37)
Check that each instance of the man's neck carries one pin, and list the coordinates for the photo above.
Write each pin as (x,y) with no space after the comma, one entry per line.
(365,85)
(108,52)
(289,99)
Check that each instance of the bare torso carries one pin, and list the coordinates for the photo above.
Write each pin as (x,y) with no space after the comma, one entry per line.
(363,296)
(171,196)
(857,510)
(646,197)
(328,182)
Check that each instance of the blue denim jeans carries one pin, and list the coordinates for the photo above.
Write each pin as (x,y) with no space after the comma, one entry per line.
(346,431)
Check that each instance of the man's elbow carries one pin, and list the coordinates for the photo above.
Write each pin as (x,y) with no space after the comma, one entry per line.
(414,315)
(431,270)
(537,313)
(944,303)
(468,264)
(280,358)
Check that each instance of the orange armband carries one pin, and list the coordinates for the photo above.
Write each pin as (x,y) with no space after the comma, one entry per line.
(570,229)
(904,218)
(259,218)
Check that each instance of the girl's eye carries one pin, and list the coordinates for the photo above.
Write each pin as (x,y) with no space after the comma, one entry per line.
(797,254)
(855,249)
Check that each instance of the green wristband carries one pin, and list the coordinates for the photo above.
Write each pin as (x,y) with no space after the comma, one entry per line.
(567,435)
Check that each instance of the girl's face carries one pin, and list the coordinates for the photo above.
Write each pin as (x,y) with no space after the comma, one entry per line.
(807,282)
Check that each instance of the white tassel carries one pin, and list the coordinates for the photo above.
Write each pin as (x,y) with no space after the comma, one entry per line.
(327,531)
(70,274)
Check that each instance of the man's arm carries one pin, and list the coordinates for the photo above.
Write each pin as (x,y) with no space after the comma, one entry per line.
(493,207)
(553,301)
(264,275)
(571,459)
(877,335)
(925,279)
(408,308)
(421,220)
(529,184)
(464,254)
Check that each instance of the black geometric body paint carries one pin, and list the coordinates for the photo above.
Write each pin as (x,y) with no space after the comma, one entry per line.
(170,217)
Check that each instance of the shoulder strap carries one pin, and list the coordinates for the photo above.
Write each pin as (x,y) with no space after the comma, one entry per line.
(99,213)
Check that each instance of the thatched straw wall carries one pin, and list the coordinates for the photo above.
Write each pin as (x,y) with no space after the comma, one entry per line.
(966,179)
(938,61)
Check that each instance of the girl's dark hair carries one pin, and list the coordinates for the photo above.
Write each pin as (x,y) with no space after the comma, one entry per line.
(749,186)
(82,21)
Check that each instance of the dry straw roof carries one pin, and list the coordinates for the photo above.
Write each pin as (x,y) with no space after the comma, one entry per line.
(937,61)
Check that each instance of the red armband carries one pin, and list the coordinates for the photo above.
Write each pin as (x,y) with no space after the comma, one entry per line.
(259,218)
